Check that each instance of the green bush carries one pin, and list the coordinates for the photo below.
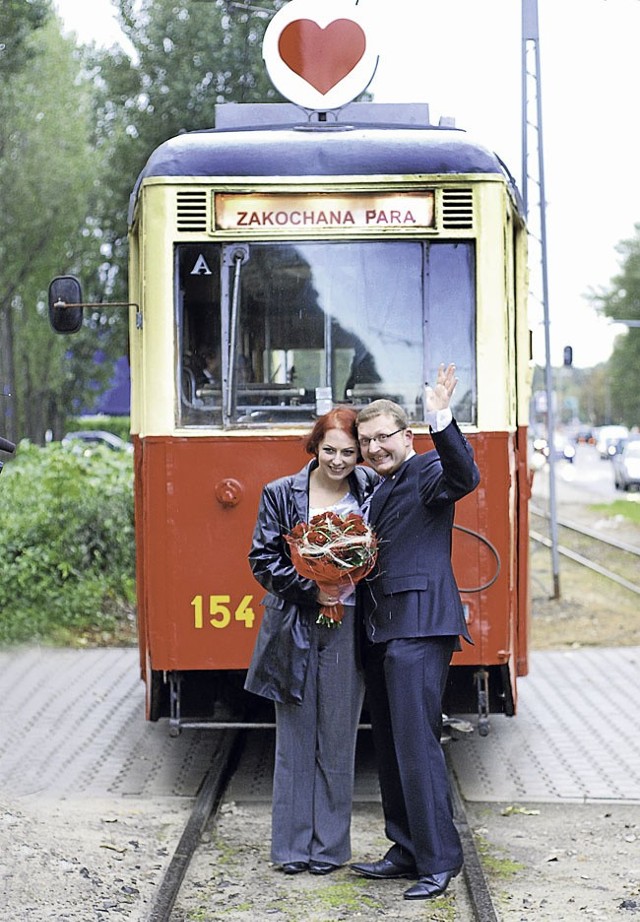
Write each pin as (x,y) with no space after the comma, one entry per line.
(67,557)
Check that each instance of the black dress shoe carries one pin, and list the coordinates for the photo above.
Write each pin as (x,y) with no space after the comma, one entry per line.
(383,870)
(322,867)
(294,867)
(428,887)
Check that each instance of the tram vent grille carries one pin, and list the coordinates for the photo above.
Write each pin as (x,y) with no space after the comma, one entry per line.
(192,211)
(457,208)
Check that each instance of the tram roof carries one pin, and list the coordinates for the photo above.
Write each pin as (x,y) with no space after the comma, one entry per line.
(321,149)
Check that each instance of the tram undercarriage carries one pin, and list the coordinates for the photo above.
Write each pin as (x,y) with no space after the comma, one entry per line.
(197,699)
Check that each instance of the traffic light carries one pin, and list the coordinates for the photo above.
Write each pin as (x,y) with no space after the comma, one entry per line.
(567,356)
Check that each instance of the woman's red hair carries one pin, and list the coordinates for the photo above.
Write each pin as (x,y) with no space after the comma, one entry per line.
(343,418)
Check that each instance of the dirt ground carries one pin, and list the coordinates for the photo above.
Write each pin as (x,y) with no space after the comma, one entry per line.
(591,611)
(552,863)
(83,860)
(80,861)
(86,861)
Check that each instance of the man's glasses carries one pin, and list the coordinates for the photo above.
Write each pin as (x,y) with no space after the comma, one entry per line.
(380,439)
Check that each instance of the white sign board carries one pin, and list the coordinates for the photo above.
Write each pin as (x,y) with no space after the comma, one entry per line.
(321,54)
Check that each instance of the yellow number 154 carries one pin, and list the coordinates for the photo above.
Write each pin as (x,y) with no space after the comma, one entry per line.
(220,611)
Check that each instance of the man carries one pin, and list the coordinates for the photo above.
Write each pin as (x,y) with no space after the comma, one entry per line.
(413,617)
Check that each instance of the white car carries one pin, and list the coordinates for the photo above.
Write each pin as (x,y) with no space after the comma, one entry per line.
(563,449)
(609,438)
(626,466)
(92,438)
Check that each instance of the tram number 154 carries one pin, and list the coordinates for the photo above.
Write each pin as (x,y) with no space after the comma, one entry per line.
(221,614)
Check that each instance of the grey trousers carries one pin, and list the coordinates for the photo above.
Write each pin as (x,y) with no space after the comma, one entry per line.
(315,753)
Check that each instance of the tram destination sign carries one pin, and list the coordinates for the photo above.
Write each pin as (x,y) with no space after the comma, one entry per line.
(313,211)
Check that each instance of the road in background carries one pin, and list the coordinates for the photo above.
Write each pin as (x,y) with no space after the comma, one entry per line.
(586,480)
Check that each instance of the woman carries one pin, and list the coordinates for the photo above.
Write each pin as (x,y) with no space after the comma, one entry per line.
(308,670)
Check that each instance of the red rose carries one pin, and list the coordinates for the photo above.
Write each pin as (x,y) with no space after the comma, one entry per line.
(317,537)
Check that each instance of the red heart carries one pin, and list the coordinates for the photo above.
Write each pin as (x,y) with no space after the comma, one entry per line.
(322,57)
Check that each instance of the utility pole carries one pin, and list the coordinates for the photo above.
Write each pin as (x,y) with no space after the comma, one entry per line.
(533,179)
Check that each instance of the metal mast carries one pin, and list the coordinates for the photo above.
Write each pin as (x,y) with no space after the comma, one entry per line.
(533,181)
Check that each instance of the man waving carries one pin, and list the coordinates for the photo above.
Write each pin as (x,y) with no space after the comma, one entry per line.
(412,616)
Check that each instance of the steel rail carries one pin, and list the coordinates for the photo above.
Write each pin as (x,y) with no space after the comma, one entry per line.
(474,877)
(589,533)
(206,802)
(585,562)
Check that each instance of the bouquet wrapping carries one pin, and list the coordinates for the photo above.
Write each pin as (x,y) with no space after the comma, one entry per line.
(336,552)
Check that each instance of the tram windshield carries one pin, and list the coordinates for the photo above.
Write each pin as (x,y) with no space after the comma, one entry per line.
(275,333)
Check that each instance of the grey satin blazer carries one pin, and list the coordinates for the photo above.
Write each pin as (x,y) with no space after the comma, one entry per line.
(279,663)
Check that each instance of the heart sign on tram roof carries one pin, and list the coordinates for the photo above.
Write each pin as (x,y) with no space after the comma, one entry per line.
(321,54)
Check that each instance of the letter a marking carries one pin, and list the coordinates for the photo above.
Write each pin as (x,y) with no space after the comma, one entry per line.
(201,267)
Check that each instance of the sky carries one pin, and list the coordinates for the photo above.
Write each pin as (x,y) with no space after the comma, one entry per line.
(464,58)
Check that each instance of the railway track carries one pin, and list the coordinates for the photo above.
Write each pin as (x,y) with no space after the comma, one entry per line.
(477,889)
(616,560)
(477,904)
(204,809)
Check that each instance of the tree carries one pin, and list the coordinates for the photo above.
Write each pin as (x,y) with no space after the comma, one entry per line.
(622,302)
(18,20)
(70,165)
(187,56)
(46,173)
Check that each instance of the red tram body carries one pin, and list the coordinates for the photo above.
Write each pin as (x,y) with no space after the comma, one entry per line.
(317,263)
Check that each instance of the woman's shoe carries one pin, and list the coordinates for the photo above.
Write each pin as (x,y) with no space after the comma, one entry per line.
(322,867)
(294,867)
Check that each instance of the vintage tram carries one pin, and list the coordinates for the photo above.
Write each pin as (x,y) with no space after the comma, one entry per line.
(280,264)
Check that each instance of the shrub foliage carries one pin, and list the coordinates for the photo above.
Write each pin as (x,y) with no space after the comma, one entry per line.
(67,556)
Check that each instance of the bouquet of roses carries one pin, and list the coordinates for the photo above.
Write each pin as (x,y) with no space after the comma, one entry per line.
(336,552)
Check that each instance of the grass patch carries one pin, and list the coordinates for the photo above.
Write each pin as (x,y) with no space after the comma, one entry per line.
(498,866)
(344,896)
(628,508)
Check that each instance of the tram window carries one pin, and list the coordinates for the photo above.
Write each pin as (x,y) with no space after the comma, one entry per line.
(451,320)
(317,321)
(334,316)
(199,339)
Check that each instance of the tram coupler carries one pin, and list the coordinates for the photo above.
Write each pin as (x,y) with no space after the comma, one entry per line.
(175,697)
(481,678)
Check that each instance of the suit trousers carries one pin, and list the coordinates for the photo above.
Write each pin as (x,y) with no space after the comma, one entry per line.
(405,681)
(315,753)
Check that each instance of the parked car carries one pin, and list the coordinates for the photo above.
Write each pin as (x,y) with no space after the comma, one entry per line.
(563,449)
(626,466)
(609,440)
(584,436)
(87,440)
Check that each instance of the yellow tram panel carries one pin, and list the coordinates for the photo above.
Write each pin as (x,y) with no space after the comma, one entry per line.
(152,328)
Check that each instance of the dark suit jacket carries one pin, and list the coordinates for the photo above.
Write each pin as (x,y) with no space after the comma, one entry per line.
(412,591)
